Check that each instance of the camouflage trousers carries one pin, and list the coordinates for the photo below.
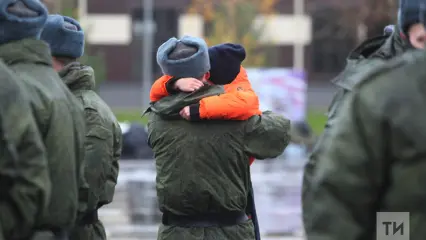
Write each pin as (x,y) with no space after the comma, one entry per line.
(242,231)
(94,231)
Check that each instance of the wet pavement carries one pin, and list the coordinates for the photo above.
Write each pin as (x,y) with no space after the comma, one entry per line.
(116,216)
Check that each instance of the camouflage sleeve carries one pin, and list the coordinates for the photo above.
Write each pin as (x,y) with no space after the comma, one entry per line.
(349,173)
(113,167)
(80,138)
(24,177)
(98,154)
(267,135)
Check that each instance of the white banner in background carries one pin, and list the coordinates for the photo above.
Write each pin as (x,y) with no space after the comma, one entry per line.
(280,90)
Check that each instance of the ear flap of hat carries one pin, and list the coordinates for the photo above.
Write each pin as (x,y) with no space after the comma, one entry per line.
(197,42)
(21,19)
(165,49)
(64,35)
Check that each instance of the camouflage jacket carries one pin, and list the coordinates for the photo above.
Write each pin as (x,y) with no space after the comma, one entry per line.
(103,136)
(372,159)
(60,121)
(203,167)
(358,61)
(24,176)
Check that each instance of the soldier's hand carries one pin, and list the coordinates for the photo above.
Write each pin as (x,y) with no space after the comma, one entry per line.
(188,84)
(185,113)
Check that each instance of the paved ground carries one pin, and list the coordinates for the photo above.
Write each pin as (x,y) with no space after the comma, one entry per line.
(263,238)
(116,218)
(119,227)
(128,95)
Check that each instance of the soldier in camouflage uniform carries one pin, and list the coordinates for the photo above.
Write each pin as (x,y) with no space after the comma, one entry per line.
(203,171)
(58,115)
(407,34)
(373,157)
(24,176)
(103,133)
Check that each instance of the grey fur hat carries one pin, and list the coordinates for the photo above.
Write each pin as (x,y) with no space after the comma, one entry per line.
(21,19)
(193,66)
(64,36)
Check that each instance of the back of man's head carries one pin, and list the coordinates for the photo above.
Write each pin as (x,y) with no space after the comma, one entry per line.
(182,51)
(20,19)
(65,37)
(186,57)
(64,60)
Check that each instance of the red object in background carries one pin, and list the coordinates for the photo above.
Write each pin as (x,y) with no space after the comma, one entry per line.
(251,159)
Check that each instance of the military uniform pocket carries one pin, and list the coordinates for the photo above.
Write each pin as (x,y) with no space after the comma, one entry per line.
(102,139)
(99,132)
(99,157)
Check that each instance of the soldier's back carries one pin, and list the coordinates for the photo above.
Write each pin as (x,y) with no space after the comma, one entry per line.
(395,94)
(24,175)
(394,79)
(102,150)
(61,124)
(101,124)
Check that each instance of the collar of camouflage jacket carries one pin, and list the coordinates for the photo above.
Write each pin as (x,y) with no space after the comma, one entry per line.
(356,58)
(170,106)
(395,45)
(381,47)
(78,76)
(26,50)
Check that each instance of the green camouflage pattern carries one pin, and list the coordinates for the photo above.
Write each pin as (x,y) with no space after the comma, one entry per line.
(359,61)
(203,167)
(102,146)
(24,176)
(60,121)
(373,157)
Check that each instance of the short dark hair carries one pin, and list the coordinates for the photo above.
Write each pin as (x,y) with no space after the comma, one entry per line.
(182,51)
(65,60)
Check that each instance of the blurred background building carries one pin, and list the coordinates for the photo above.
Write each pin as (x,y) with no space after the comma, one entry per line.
(327,29)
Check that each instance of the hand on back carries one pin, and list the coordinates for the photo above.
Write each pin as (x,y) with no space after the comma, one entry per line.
(188,84)
(185,113)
